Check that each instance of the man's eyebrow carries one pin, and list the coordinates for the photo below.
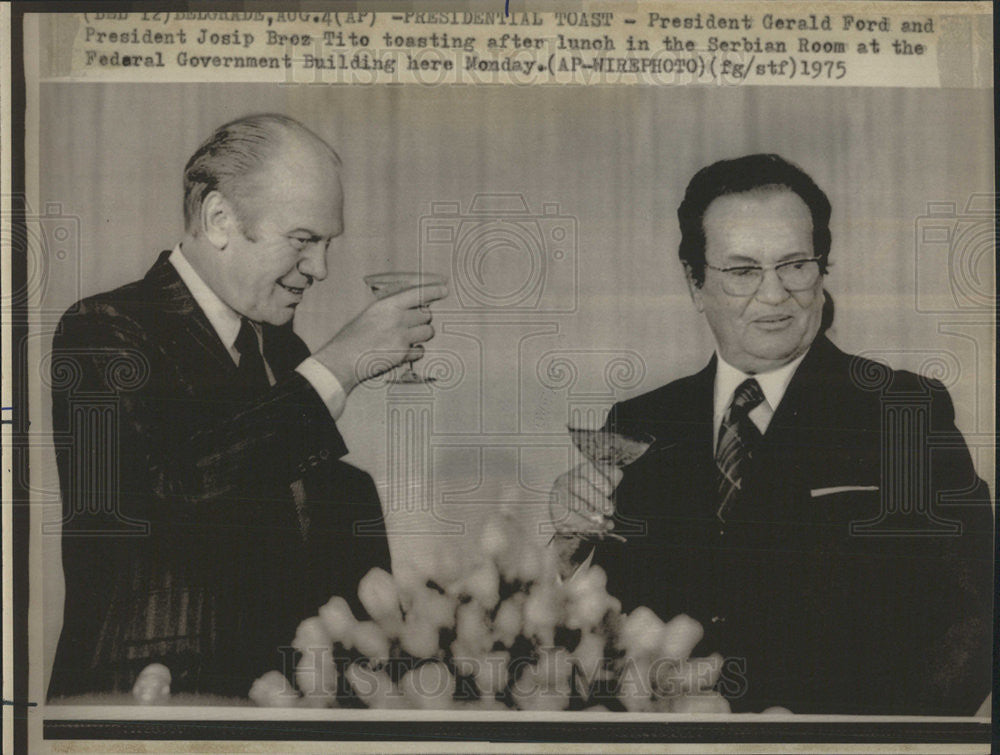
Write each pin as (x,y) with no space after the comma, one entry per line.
(792,256)
(741,259)
(316,236)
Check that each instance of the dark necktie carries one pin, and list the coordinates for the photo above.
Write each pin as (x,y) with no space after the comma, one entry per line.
(253,380)
(737,435)
(251,370)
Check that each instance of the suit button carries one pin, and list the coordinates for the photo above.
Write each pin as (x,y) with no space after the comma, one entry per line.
(324,454)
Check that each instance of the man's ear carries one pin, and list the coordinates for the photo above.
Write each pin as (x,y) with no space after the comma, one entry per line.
(217,219)
(694,288)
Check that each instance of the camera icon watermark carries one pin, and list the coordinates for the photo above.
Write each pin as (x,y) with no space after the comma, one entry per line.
(502,257)
(955,264)
(49,244)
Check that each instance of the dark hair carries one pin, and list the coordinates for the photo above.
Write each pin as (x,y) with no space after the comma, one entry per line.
(234,152)
(743,174)
(829,310)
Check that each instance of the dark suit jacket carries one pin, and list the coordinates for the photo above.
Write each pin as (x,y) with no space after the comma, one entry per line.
(182,541)
(892,617)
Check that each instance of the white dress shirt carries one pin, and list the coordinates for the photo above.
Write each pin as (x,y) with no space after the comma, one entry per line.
(226,322)
(772,384)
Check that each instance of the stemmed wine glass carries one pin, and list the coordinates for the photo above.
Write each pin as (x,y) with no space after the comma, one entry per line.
(604,448)
(387,284)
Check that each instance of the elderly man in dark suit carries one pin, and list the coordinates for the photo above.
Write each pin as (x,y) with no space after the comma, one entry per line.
(206,511)
(817,512)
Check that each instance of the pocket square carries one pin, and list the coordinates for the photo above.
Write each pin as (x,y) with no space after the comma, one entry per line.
(817,492)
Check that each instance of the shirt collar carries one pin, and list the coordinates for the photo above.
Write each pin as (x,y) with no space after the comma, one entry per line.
(773,384)
(224,319)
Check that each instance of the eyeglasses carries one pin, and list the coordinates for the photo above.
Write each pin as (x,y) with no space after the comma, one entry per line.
(744,280)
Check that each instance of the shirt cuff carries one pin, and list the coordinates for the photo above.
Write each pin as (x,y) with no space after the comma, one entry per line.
(325,384)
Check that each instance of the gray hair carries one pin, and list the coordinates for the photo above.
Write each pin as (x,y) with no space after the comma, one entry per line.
(233,153)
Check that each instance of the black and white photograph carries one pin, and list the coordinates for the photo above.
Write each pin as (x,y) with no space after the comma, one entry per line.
(625,412)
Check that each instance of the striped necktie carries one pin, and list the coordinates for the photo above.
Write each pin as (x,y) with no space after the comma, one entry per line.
(737,436)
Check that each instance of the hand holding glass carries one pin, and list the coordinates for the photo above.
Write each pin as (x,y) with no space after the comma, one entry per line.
(604,448)
(387,284)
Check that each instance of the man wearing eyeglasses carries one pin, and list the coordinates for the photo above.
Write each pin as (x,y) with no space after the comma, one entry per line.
(205,507)
(818,513)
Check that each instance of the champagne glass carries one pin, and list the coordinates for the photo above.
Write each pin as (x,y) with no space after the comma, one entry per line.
(387,284)
(604,448)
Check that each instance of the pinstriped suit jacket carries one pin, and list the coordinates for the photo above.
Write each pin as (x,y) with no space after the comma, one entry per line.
(181,539)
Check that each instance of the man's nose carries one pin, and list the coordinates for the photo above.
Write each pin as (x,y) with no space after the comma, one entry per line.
(772,290)
(313,262)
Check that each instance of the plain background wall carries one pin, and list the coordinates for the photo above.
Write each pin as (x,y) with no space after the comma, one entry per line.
(613,318)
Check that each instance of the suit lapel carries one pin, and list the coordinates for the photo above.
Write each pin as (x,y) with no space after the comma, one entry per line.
(703,410)
(798,437)
(683,420)
(701,452)
(283,350)
(674,478)
(808,392)
(179,306)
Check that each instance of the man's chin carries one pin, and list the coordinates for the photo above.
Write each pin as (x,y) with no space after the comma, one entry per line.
(780,356)
(279,317)
(775,352)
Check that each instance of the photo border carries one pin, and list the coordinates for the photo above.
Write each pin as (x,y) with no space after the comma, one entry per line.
(58,727)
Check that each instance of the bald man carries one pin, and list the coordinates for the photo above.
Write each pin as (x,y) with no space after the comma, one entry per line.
(205,509)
